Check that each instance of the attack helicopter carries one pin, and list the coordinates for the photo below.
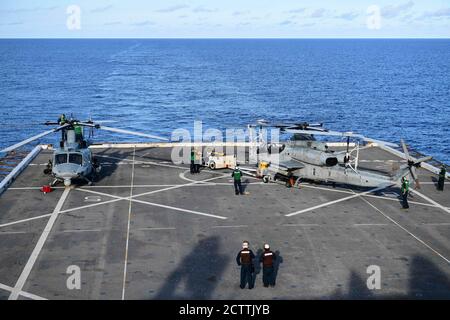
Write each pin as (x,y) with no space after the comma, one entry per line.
(73,159)
(305,158)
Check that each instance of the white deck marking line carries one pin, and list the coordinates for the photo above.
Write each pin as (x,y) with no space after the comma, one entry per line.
(301,225)
(13,232)
(5,287)
(129,186)
(119,199)
(241,226)
(105,202)
(407,231)
(182,175)
(153,185)
(431,200)
(322,225)
(32,188)
(128,228)
(337,201)
(37,249)
(31,296)
(155,204)
(24,220)
(135,196)
(85,230)
(155,229)
(22,293)
(369,224)
(367,195)
(143,162)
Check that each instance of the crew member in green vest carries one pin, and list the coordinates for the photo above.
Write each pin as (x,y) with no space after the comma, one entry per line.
(78,133)
(442,178)
(62,121)
(237,174)
(405,190)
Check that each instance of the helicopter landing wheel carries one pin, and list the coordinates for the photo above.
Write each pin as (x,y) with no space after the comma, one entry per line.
(266,179)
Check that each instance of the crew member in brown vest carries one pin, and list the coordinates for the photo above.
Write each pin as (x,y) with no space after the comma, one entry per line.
(268,258)
(245,260)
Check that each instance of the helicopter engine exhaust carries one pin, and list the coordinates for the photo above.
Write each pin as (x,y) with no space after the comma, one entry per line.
(331,161)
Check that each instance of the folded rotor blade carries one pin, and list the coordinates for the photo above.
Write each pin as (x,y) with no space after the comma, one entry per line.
(317,131)
(424,159)
(31,139)
(132,133)
(313,128)
(413,172)
(412,169)
(309,132)
(405,149)
(380,142)
(106,121)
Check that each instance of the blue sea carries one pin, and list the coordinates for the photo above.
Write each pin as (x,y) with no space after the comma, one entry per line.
(384,89)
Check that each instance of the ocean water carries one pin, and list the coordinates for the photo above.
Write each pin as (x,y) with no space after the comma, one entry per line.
(385,89)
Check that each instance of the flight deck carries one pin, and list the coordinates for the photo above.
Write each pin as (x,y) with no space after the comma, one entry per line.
(148,229)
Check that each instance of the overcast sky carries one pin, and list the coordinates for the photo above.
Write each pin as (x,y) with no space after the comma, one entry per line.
(224,19)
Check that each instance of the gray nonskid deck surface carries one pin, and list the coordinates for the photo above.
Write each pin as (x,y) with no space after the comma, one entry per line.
(178,237)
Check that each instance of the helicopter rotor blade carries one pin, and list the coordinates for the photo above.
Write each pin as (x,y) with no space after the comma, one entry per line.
(106,121)
(341,134)
(31,139)
(132,133)
(413,163)
(405,149)
(380,142)
(314,128)
(412,170)
(424,159)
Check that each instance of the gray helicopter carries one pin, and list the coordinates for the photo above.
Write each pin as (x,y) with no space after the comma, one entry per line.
(73,159)
(304,158)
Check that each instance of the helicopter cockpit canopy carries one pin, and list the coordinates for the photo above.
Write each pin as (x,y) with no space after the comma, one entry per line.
(61,158)
(75,158)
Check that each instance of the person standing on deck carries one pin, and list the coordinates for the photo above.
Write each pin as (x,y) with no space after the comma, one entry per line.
(244,259)
(267,259)
(62,121)
(192,161)
(405,190)
(78,134)
(441,180)
(237,174)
